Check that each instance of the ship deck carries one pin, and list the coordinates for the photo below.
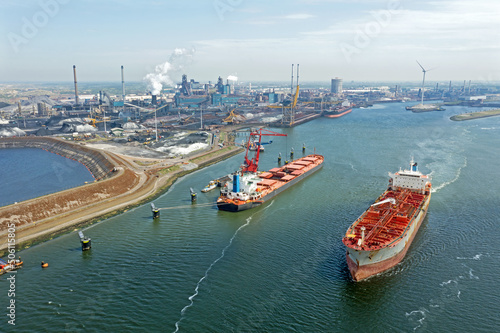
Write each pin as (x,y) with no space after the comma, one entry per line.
(384,223)
(277,177)
(271,181)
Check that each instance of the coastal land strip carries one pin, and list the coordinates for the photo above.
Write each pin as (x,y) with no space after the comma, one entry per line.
(122,182)
(476,115)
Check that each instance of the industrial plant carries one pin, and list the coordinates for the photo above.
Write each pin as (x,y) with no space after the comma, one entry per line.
(189,110)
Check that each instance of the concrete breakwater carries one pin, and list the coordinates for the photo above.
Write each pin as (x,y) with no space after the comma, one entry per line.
(95,161)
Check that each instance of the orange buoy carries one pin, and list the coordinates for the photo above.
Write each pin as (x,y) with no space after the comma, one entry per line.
(45,264)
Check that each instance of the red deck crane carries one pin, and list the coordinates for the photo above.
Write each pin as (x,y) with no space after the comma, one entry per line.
(253,164)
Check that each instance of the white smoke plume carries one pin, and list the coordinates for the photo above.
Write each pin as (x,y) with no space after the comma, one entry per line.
(166,72)
(232,78)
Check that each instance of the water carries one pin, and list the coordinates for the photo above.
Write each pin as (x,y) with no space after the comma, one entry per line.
(281,267)
(27,173)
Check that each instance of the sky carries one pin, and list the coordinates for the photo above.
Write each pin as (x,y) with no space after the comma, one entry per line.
(255,40)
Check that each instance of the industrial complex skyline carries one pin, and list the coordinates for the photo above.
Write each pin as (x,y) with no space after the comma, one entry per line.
(253,40)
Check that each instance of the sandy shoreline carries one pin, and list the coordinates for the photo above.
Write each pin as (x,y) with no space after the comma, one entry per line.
(144,178)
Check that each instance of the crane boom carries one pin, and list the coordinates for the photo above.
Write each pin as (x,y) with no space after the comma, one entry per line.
(251,165)
(295,97)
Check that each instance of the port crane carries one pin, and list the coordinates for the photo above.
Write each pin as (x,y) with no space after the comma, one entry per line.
(251,165)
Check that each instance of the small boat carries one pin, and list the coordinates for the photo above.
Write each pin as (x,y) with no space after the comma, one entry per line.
(253,147)
(45,264)
(10,266)
(210,186)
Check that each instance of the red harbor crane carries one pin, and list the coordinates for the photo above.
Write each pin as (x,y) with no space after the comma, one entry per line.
(251,165)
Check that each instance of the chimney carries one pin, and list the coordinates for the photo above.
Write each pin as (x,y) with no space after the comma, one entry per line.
(76,87)
(123,91)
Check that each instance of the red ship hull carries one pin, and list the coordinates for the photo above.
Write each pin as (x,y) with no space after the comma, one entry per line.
(359,273)
(337,115)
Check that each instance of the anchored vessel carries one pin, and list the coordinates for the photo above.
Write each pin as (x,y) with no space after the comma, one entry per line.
(380,237)
(338,113)
(250,188)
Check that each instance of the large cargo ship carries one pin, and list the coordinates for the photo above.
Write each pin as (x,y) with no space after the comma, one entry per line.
(338,113)
(250,188)
(381,236)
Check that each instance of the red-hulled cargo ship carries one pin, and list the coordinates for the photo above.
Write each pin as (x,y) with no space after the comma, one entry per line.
(381,236)
(338,113)
(250,188)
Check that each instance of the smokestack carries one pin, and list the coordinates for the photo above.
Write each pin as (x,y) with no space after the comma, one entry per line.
(76,87)
(153,99)
(449,89)
(469,87)
(463,88)
(123,91)
(291,85)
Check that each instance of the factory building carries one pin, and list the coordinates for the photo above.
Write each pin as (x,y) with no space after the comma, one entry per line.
(272,97)
(219,99)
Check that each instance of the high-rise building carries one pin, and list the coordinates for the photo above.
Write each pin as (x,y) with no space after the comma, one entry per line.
(337,86)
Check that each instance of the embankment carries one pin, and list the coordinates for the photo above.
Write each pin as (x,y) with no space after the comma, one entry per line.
(38,215)
(96,161)
(43,218)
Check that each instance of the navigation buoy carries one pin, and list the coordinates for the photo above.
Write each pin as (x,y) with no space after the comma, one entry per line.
(279,158)
(86,241)
(291,154)
(304,147)
(155,211)
(193,195)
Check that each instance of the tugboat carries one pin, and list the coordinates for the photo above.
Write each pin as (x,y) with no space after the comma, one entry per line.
(212,185)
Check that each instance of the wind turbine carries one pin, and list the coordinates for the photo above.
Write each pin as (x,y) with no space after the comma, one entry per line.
(423,80)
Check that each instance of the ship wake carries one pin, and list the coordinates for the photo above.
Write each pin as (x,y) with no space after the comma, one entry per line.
(446,183)
(191,298)
(196,289)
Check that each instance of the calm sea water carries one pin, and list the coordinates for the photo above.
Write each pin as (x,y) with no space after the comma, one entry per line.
(281,267)
(27,173)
